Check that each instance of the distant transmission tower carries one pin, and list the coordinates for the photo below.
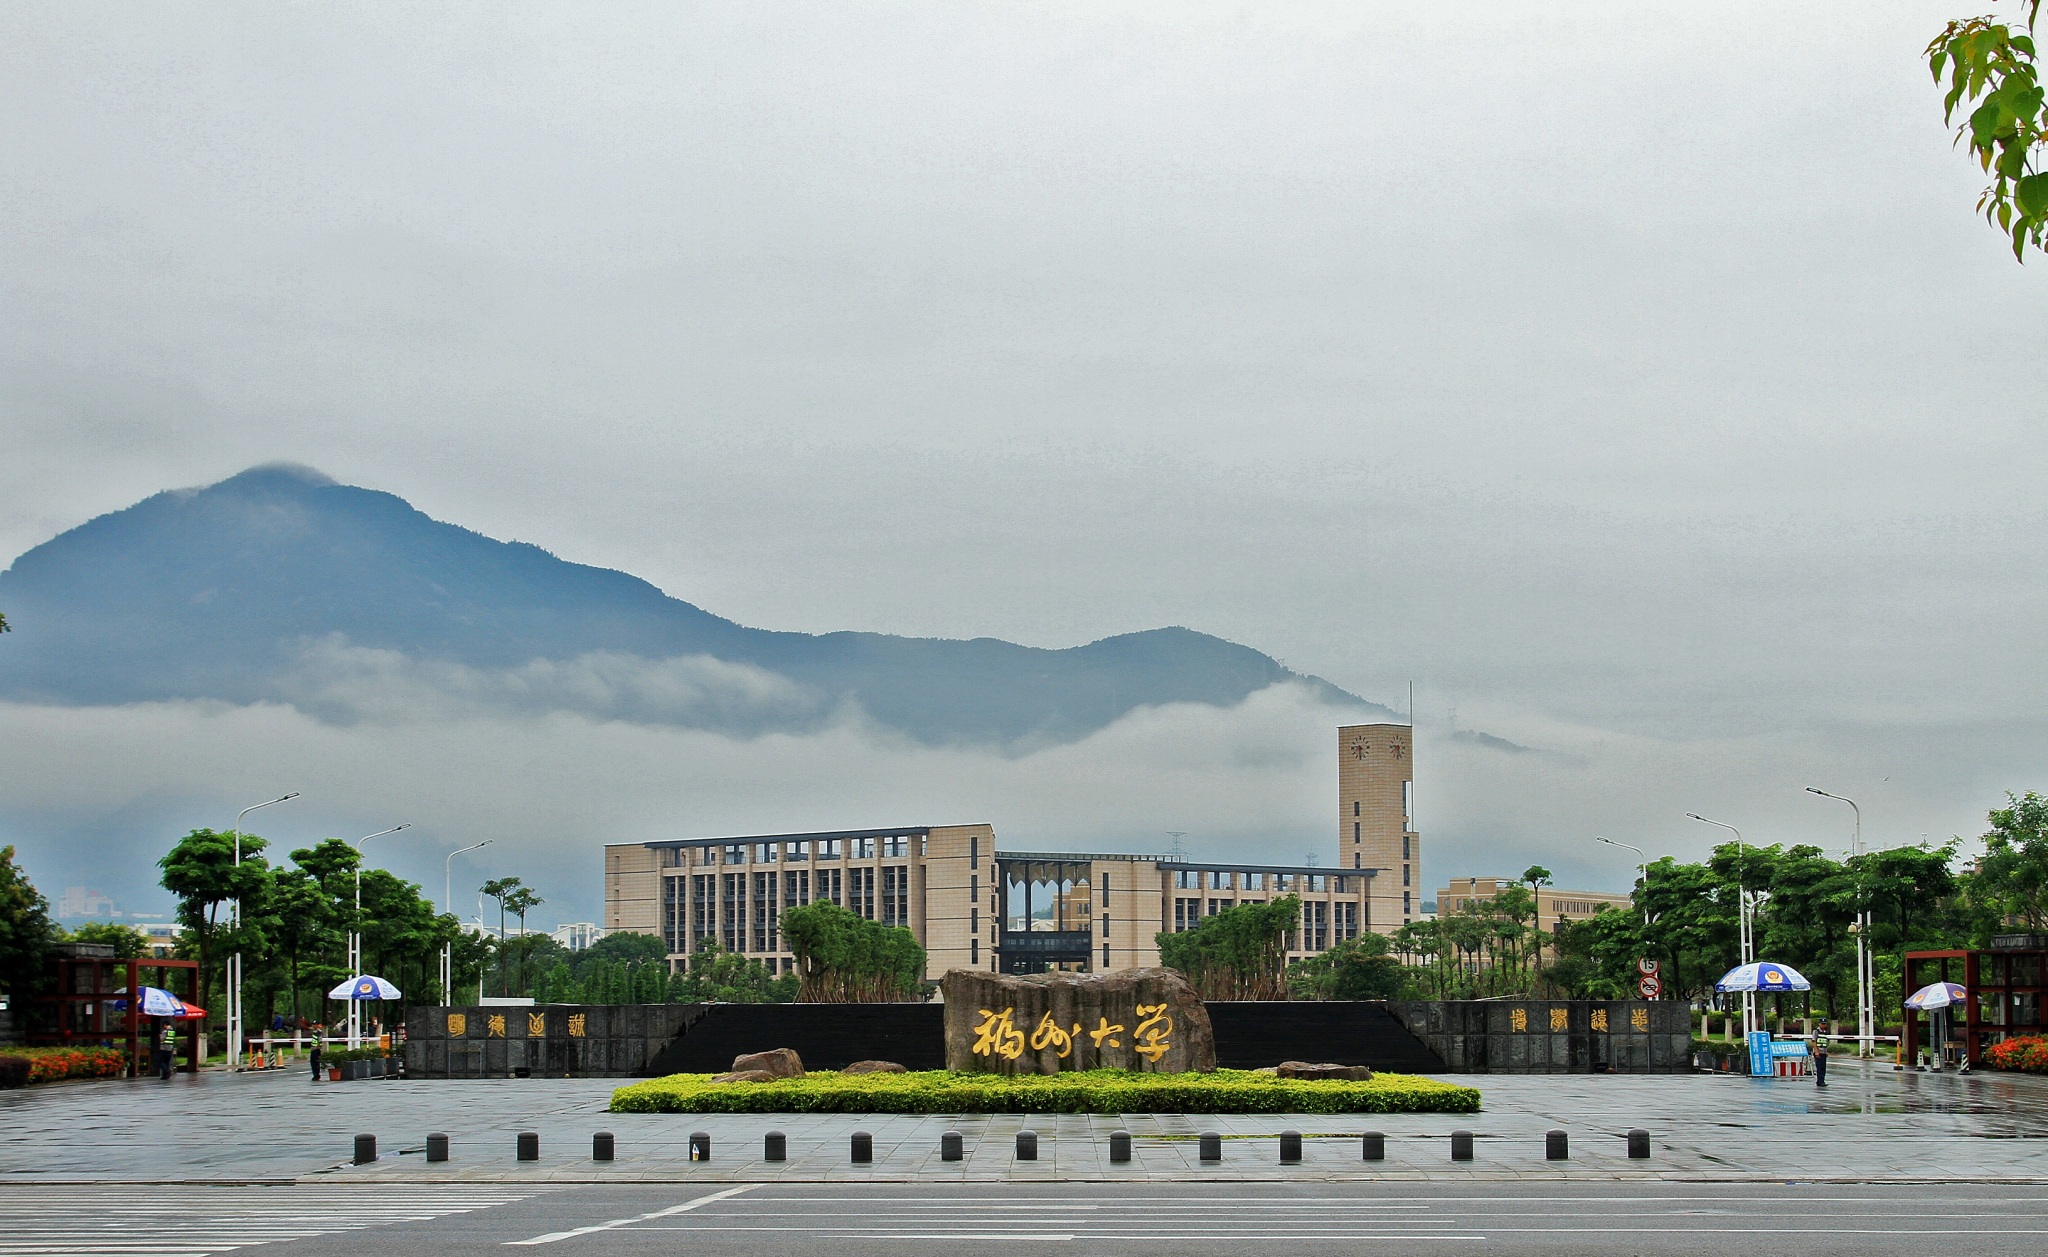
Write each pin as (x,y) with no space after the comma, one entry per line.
(1178,852)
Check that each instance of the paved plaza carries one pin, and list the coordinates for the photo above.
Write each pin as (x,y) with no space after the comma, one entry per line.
(1870,1125)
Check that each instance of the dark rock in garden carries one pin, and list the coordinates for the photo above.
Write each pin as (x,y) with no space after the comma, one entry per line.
(1302,1069)
(744,1075)
(781,1062)
(874,1067)
(1049,1023)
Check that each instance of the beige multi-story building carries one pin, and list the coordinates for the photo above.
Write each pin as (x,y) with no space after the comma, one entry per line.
(968,904)
(1553,904)
(1376,818)
(972,906)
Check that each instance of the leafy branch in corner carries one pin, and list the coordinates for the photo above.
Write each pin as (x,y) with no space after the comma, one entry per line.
(1996,70)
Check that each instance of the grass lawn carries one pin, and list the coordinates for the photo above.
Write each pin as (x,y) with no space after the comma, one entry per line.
(1092,1091)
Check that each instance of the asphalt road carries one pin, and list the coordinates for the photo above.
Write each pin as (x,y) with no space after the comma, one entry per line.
(770,1220)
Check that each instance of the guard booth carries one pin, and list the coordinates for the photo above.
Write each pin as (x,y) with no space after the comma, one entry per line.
(2005,981)
(86,980)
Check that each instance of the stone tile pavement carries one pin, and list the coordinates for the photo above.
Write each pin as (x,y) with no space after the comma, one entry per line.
(1869,1125)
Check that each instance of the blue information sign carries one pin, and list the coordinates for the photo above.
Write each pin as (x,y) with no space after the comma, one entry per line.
(1760,1054)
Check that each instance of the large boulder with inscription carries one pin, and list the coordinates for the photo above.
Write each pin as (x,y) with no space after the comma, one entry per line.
(1052,1023)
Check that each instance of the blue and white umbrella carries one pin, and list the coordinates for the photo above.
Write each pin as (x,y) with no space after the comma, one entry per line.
(364,986)
(157,1002)
(1763,975)
(1938,995)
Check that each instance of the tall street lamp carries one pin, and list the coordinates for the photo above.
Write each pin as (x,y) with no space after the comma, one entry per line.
(448,901)
(235,961)
(1642,863)
(1743,928)
(355,938)
(1866,984)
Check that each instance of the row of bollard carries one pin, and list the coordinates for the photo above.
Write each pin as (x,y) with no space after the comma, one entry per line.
(952,1146)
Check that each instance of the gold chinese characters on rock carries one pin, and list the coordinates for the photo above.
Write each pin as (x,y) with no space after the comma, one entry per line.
(458,1023)
(997,1035)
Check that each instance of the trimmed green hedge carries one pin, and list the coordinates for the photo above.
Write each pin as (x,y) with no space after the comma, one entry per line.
(1092,1091)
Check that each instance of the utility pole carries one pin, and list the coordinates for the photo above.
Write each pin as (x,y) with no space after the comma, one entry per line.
(1866,983)
(234,975)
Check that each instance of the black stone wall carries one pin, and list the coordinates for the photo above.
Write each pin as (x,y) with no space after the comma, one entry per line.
(642,1040)
(1553,1036)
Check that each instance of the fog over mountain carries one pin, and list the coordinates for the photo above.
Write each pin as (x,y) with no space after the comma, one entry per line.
(280,608)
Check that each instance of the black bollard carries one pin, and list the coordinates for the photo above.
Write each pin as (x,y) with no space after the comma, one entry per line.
(951,1147)
(1375,1146)
(1212,1146)
(1557,1146)
(529,1145)
(700,1145)
(1027,1145)
(863,1147)
(1639,1145)
(1119,1147)
(437,1147)
(366,1149)
(601,1146)
(1290,1147)
(1461,1145)
(774,1146)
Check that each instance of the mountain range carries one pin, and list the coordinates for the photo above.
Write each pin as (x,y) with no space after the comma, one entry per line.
(281,585)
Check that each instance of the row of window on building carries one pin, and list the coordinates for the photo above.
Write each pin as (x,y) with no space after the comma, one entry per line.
(884,846)
(1281,883)
(742,912)
(1323,924)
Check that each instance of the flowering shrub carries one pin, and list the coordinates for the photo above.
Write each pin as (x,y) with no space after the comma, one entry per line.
(2028,1053)
(49,1064)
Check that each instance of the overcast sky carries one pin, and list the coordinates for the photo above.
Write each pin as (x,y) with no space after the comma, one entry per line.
(1634,379)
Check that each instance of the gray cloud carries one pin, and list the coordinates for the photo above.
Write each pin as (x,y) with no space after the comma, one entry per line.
(336,681)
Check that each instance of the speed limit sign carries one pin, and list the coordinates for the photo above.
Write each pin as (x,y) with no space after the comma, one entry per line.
(1647,967)
(1649,986)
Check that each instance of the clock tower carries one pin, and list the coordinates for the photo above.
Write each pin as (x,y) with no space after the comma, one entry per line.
(1376,819)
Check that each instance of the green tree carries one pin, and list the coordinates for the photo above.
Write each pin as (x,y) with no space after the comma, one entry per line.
(520,901)
(304,926)
(201,872)
(1238,953)
(1356,968)
(713,974)
(1536,877)
(25,928)
(1993,67)
(501,889)
(127,941)
(842,958)
(2010,883)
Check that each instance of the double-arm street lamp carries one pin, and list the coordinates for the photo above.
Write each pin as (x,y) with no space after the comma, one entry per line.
(355,938)
(1742,915)
(1866,1013)
(234,982)
(448,902)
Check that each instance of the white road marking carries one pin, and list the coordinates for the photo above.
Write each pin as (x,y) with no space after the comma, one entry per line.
(200,1221)
(614,1224)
